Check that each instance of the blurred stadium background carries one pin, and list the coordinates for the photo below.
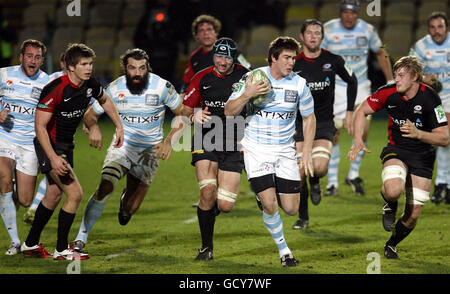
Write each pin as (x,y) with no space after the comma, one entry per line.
(163,28)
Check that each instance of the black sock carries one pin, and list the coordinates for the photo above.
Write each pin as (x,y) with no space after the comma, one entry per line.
(65,221)
(41,218)
(303,207)
(206,220)
(313,180)
(392,204)
(400,232)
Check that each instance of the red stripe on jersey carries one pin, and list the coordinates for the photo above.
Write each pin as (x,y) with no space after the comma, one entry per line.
(390,123)
(193,97)
(377,100)
(52,95)
(302,55)
(51,129)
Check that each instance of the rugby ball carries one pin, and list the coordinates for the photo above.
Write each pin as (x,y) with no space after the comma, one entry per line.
(257,76)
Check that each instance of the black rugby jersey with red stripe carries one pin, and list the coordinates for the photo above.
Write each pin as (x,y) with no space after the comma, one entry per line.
(320,75)
(424,111)
(198,60)
(210,89)
(68,103)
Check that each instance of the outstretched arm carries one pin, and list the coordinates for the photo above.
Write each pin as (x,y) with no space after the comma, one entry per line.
(111,110)
(358,126)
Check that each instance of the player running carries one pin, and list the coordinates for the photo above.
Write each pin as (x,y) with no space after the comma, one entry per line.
(319,67)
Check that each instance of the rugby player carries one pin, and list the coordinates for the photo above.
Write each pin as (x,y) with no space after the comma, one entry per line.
(417,121)
(61,107)
(319,67)
(20,88)
(352,38)
(268,143)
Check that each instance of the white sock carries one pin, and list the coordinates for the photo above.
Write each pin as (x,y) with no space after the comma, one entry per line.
(93,211)
(8,212)
(333,166)
(39,194)
(274,225)
(353,173)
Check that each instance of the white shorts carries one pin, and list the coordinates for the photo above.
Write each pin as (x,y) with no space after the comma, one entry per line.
(261,160)
(24,156)
(140,162)
(340,98)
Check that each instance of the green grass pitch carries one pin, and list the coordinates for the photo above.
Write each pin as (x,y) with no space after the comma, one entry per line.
(163,237)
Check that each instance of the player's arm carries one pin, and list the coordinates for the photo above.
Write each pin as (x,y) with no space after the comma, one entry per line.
(348,76)
(3,112)
(385,63)
(359,122)
(180,122)
(164,149)
(108,105)
(438,136)
(3,115)
(94,132)
(234,106)
(42,118)
(309,132)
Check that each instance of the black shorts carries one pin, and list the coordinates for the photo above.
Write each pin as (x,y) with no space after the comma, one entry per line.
(325,130)
(281,185)
(419,163)
(63,150)
(232,161)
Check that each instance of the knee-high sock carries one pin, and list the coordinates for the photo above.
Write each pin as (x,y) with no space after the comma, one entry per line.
(303,206)
(65,221)
(41,218)
(93,211)
(274,225)
(400,232)
(8,212)
(353,172)
(442,159)
(206,221)
(39,194)
(333,166)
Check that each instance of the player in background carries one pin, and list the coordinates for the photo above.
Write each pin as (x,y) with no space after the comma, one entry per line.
(268,143)
(416,122)
(320,67)
(433,51)
(352,38)
(20,88)
(205,30)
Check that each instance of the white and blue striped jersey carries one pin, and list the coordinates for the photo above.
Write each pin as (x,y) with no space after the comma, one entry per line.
(353,45)
(435,59)
(20,95)
(142,115)
(56,74)
(274,123)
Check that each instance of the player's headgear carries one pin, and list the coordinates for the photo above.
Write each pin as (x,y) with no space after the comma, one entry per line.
(350,4)
(225,47)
